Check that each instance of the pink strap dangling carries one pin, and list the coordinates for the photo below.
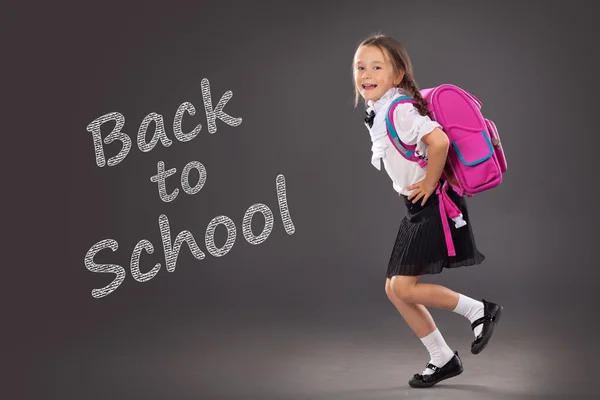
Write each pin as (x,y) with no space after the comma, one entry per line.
(443,214)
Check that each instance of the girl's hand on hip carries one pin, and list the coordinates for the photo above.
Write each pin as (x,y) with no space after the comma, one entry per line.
(421,189)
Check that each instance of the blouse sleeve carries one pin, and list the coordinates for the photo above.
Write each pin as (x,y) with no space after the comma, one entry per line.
(412,126)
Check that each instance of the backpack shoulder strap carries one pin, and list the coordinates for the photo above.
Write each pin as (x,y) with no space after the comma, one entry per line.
(408,151)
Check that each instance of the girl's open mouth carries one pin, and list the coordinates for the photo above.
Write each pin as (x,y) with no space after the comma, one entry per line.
(369,86)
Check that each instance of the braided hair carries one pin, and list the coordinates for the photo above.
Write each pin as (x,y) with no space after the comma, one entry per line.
(409,84)
(401,64)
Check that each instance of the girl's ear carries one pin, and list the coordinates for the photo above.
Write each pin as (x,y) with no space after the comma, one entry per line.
(398,80)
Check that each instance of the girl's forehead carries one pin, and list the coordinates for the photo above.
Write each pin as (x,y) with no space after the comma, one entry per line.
(371,54)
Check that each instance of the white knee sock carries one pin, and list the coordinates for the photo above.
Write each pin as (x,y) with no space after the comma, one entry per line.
(438,350)
(471,309)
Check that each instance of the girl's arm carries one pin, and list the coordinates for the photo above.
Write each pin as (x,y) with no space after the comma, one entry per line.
(438,145)
(437,151)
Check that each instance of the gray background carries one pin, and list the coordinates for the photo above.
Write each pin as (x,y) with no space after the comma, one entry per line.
(300,316)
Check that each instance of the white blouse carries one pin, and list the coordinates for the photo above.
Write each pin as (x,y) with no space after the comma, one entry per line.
(411,127)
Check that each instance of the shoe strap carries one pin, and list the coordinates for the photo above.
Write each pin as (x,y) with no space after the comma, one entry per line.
(481,320)
(432,367)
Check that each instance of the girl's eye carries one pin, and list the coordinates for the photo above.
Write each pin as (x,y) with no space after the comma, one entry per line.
(360,68)
(377,67)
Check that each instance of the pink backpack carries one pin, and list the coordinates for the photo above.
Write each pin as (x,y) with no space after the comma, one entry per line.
(475,157)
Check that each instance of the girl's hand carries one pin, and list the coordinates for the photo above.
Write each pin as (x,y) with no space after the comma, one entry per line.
(422,189)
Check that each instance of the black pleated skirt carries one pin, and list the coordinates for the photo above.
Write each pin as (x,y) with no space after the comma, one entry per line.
(420,246)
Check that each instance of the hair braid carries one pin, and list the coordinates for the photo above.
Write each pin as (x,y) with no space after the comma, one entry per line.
(412,88)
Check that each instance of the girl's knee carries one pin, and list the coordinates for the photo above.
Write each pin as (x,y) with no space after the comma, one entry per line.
(388,290)
(401,287)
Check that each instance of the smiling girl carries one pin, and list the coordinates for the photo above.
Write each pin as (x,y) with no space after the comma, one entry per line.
(382,72)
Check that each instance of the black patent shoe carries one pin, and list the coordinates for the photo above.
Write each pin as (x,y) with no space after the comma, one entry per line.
(491,316)
(451,369)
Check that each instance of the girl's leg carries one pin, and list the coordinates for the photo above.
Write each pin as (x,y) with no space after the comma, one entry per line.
(421,322)
(416,316)
(407,289)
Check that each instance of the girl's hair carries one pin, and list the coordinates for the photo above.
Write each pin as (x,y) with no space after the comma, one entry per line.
(400,62)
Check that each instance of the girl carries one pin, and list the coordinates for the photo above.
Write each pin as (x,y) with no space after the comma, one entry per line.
(383,72)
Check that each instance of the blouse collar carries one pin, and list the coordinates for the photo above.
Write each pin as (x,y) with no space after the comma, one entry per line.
(378,130)
(384,100)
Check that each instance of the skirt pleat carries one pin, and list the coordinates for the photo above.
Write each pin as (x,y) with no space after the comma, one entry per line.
(420,246)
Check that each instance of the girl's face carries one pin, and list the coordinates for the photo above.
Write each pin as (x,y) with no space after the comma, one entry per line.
(373,73)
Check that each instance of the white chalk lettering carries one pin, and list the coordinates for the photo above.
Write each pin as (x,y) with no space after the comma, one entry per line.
(185,182)
(161,177)
(185,137)
(159,130)
(247,223)
(104,268)
(283,206)
(135,262)
(210,236)
(212,115)
(171,253)
(159,133)
(116,134)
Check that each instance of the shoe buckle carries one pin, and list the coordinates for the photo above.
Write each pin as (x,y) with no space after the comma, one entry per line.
(431,367)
